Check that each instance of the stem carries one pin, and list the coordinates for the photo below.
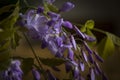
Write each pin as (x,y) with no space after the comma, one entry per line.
(37,59)
(25,1)
(32,50)
(99,30)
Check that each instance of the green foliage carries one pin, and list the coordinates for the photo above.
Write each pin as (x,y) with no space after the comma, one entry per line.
(106,47)
(52,61)
(27,64)
(114,38)
(4,64)
(50,7)
(89,24)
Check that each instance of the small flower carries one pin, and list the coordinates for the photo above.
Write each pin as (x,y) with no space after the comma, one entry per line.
(87,48)
(76,72)
(40,10)
(50,75)
(79,32)
(67,24)
(92,74)
(82,66)
(70,54)
(73,42)
(36,74)
(84,55)
(53,16)
(67,7)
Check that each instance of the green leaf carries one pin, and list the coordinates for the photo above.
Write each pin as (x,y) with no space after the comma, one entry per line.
(89,24)
(83,29)
(9,22)
(106,47)
(114,38)
(52,61)
(5,45)
(5,35)
(4,64)
(27,64)
(50,7)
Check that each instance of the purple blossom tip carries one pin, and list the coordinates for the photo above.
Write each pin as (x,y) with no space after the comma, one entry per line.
(40,10)
(73,42)
(84,55)
(92,74)
(67,24)
(87,48)
(67,7)
(98,57)
(90,38)
(36,74)
(79,32)
(82,66)
(70,54)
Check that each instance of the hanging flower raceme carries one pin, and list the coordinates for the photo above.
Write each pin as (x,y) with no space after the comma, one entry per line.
(14,71)
(50,29)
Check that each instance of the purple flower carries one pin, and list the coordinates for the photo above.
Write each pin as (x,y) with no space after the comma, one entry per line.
(76,72)
(84,55)
(73,42)
(89,38)
(50,75)
(92,74)
(67,7)
(36,74)
(98,70)
(87,48)
(68,67)
(70,54)
(79,32)
(67,24)
(53,16)
(82,66)
(40,10)
(98,57)
(14,72)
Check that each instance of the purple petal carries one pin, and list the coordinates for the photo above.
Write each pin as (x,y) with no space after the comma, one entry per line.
(50,76)
(92,74)
(98,68)
(68,67)
(90,58)
(89,38)
(98,57)
(79,32)
(73,42)
(84,55)
(76,72)
(67,24)
(51,23)
(36,74)
(59,41)
(67,7)
(87,48)
(53,16)
(40,10)
(70,54)
(82,66)
(44,44)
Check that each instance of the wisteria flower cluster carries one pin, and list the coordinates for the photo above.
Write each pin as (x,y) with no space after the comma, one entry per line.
(65,41)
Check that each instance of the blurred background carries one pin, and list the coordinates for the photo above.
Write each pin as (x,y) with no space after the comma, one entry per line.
(105,13)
